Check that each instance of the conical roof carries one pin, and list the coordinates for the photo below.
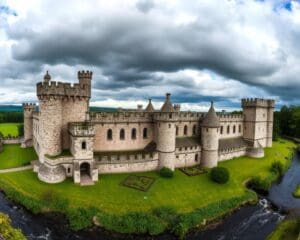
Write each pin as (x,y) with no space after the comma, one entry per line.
(47,77)
(150,107)
(167,107)
(211,119)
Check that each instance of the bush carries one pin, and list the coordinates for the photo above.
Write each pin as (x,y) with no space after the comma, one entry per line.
(220,175)
(81,218)
(259,184)
(166,172)
(54,201)
(21,130)
(277,168)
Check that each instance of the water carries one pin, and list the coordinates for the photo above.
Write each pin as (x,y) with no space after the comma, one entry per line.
(250,222)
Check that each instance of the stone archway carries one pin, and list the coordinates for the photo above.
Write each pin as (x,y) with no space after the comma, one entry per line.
(85,169)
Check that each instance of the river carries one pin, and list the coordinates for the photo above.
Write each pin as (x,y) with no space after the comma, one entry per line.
(249,222)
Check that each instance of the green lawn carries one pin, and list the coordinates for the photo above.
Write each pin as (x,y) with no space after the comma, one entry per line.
(9,128)
(15,156)
(182,192)
(287,230)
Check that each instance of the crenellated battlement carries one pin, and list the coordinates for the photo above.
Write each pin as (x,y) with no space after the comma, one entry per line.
(81,129)
(29,106)
(85,75)
(230,117)
(258,102)
(123,116)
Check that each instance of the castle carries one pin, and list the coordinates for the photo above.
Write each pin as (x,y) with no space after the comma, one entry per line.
(72,142)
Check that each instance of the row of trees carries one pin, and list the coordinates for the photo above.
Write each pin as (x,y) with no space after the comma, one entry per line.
(11,117)
(287,122)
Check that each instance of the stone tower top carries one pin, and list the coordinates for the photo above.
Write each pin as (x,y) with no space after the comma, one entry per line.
(211,119)
(29,106)
(85,75)
(47,77)
(150,107)
(258,102)
(167,107)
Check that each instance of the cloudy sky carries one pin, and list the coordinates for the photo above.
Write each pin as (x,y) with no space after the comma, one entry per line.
(221,50)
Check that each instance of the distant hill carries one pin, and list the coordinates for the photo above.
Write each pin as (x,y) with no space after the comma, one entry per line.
(14,108)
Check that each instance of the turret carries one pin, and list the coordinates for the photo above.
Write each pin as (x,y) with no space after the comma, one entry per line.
(150,107)
(28,109)
(47,77)
(166,133)
(85,78)
(258,121)
(210,138)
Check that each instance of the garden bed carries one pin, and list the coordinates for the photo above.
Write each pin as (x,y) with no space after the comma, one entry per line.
(141,183)
(193,171)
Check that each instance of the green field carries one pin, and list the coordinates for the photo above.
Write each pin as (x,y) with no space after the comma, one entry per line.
(14,156)
(182,192)
(9,128)
(287,230)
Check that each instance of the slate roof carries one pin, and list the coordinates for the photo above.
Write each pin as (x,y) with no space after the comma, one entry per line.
(150,107)
(167,107)
(188,142)
(232,143)
(211,119)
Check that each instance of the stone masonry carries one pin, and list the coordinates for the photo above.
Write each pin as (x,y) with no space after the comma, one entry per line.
(73,142)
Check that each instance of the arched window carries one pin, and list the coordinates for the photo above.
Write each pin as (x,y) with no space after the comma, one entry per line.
(122,134)
(133,133)
(185,130)
(176,130)
(194,130)
(145,133)
(240,128)
(228,129)
(221,130)
(196,157)
(170,115)
(233,128)
(109,134)
(83,145)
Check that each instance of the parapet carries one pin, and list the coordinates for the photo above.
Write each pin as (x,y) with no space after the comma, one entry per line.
(81,129)
(230,117)
(29,106)
(258,102)
(121,117)
(82,75)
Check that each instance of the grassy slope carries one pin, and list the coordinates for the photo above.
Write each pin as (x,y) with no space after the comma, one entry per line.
(182,192)
(287,230)
(9,128)
(14,156)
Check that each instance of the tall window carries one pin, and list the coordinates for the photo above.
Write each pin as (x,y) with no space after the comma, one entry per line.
(176,130)
(109,134)
(133,133)
(196,157)
(185,130)
(83,145)
(194,130)
(221,130)
(145,133)
(122,134)
(228,129)
(240,128)
(233,128)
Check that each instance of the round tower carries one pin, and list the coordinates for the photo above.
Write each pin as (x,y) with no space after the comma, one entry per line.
(210,138)
(166,134)
(28,110)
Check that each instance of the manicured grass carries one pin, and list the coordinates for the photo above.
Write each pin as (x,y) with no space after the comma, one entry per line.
(15,156)
(181,192)
(287,230)
(9,128)
(296,193)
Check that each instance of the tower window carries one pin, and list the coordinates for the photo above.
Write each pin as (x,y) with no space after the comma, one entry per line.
(228,129)
(240,128)
(170,115)
(194,130)
(221,130)
(234,129)
(196,157)
(185,130)
(145,133)
(133,133)
(109,134)
(122,134)
(83,145)
(176,130)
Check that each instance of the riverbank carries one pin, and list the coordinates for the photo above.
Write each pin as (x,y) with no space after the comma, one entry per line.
(175,205)
(288,230)
(7,232)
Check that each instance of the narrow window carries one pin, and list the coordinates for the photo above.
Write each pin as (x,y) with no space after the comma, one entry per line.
(69,170)
(83,145)
(221,130)
(228,129)
(194,130)
(169,125)
(122,134)
(109,134)
(233,128)
(185,130)
(133,133)
(176,130)
(240,128)
(170,115)
(145,133)
(196,157)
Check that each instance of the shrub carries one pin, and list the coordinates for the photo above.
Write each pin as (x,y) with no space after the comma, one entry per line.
(81,218)
(259,184)
(166,172)
(220,175)
(21,130)
(54,201)
(277,168)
